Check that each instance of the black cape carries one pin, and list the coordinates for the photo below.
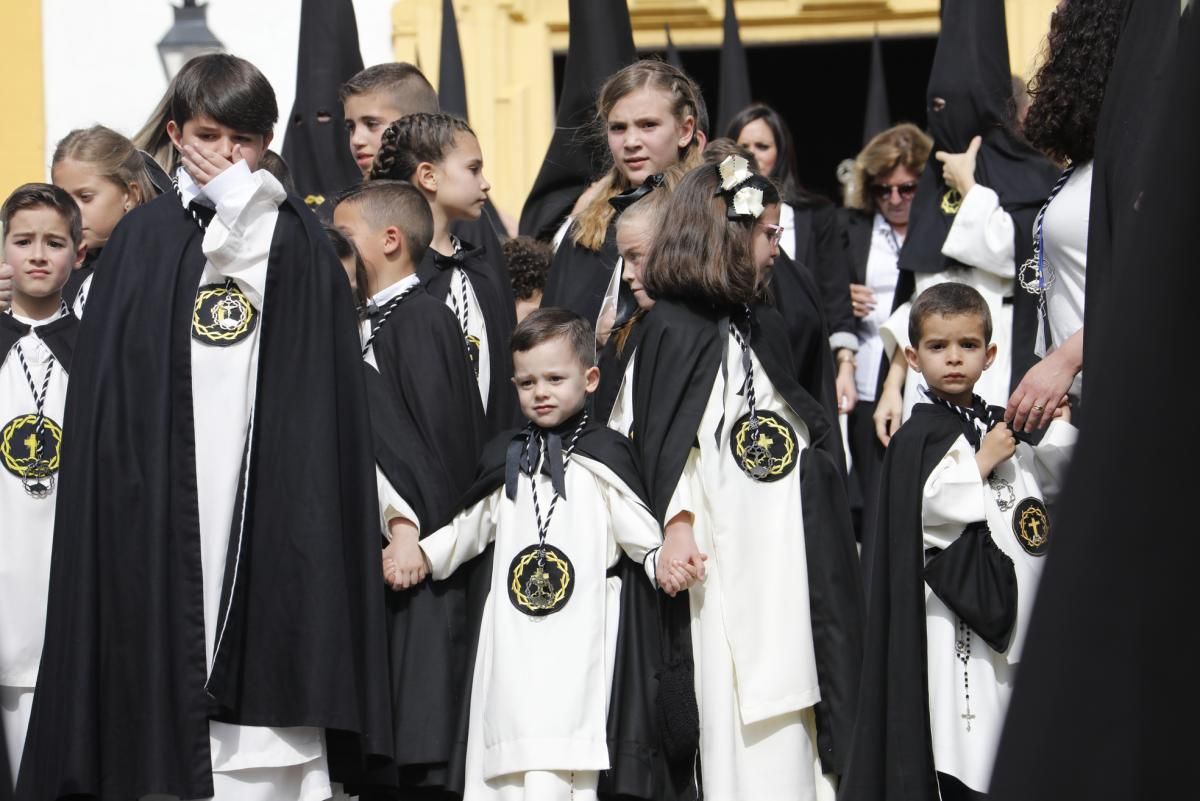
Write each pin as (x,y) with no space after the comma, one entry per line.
(427,423)
(75,280)
(1119,581)
(486,271)
(638,766)
(124,659)
(892,755)
(579,277)
(971,74)
(678,360)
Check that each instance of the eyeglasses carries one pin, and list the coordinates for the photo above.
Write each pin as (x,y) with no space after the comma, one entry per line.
(774,232)
(884,191)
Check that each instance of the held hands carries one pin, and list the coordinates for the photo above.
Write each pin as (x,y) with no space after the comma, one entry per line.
(404,563)
(958,169)
(680,563)
(998,445)
(1042,392)
(6,274)
(204,165)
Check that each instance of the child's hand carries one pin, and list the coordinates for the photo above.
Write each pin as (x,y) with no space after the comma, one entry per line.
(998,444)
(204,165)
(680,563)
(1063,412)
(404,563)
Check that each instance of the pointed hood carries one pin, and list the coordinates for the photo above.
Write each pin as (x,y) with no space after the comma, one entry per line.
(601,42)
(452,82)
(315,144)
(970,93)
(672,53)
(878,116)
(734,93)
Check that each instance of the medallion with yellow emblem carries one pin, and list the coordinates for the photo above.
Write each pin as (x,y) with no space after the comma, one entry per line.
(766,451)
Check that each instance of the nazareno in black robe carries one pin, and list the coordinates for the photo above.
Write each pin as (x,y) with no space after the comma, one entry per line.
(493,290)
(638,767)
(677,363)
(123,705)
(892,754)
(971,74)
(59,337)
(428,425)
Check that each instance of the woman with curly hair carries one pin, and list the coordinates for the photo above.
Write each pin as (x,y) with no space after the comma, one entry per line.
(1067,92)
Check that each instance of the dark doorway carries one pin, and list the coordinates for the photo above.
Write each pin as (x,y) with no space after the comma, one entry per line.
(820,88)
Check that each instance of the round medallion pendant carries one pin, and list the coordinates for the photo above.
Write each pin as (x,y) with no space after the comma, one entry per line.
(31,458)
(1031,524)
(768,455)
(540,585)
(223,315)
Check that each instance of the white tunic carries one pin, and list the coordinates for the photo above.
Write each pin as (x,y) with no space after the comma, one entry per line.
(26,533)
(954,496)
(752,644)
(982,237)
(540,690)
(1065,235)
(237,245)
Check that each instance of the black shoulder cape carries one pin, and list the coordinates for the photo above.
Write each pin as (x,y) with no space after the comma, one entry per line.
(75,280)
(892,755)
(677,364)
(638,766)
(579,277)
(427,424)
(59,336)
(488,275)
(124,659)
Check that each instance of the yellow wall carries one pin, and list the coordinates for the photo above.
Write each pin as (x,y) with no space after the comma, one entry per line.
(508,48)
(22,136)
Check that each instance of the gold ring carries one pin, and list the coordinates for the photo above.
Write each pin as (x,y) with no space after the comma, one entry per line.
(1039,408)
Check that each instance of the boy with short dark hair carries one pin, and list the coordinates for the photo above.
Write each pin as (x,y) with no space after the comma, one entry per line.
(43,244)
(427,424)
(953,571)
(562,501)
(375,98)
(214,627)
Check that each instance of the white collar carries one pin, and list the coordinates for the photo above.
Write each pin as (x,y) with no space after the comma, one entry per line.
(189,190)
(29,321)
(384,295)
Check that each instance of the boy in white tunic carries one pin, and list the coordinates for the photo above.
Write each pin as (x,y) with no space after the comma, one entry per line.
(214,625)
(562,502)
(963,533)
(43,243)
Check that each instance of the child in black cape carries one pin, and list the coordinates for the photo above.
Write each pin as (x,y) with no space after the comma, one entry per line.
(741,472)
(214,620)
(427,425)
(953,569)
(43,243)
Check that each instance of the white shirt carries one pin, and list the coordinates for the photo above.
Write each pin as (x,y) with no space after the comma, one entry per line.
(1064,235)
(882,274)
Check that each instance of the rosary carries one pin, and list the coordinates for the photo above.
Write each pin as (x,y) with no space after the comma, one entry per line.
(962,650)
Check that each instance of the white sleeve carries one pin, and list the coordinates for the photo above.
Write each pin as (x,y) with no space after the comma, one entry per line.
(894,332)
(1051,458)
(633,527)
(391,505)
(686,498)
(952,496)
(982,234)
(238,240)
(464,537)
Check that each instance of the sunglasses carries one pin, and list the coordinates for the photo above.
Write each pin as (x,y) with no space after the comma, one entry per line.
(774,232)
(884,191)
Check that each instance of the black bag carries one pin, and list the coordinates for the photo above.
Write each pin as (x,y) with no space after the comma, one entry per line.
(677,712)
(978,582)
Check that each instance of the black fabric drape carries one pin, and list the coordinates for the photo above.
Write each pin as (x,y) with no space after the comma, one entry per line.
(452,81)
(878,116)
(1096,710)
(733,93)
(314,146)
